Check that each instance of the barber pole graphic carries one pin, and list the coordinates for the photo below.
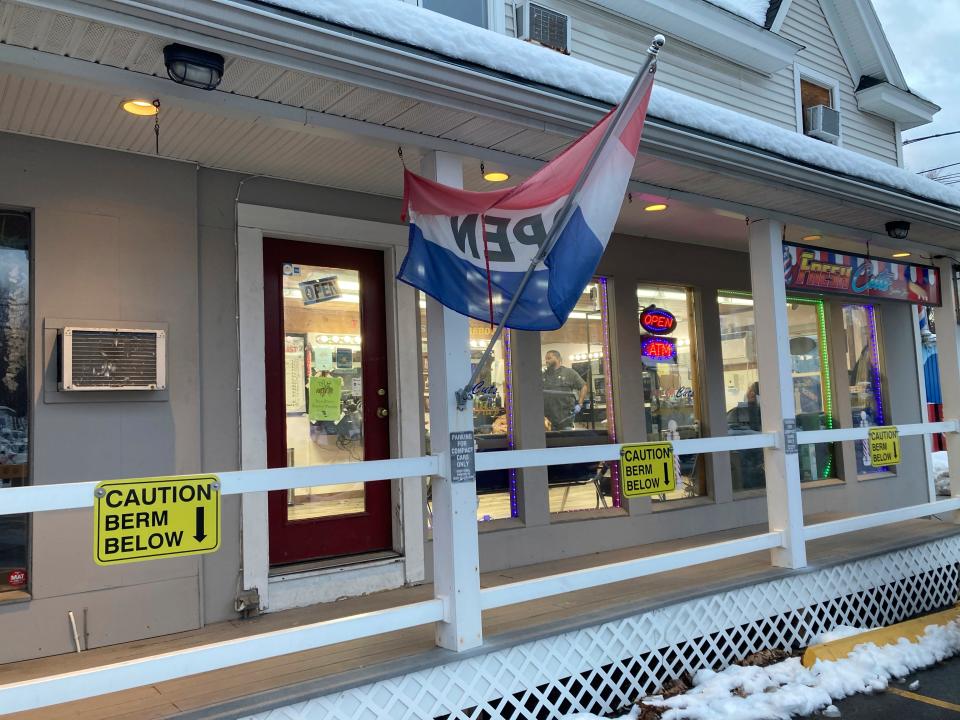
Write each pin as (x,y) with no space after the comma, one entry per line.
(472,250)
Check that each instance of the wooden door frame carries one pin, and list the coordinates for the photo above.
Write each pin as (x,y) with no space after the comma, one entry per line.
(277,593)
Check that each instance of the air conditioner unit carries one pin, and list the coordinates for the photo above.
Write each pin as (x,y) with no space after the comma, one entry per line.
(99,358)
(823,123)
(538,23)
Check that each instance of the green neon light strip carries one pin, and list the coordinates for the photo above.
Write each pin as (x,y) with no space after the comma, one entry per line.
(825,388)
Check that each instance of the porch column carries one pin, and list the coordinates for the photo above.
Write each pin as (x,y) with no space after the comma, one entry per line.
(781,464)
(948,357)
(456,554)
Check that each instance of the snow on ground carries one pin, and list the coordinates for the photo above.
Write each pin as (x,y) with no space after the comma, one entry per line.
(753,10)
(840,632)
(422,28)
(780,691)
(941,472)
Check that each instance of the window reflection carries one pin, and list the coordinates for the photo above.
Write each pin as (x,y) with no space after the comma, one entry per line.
(578,402)
(14,390)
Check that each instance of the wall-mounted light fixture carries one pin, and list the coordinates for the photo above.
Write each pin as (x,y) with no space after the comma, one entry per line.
(898,229)
(193,67)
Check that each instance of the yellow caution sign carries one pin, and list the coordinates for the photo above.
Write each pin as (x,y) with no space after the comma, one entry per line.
(153,518)
(884,444)
(647,469)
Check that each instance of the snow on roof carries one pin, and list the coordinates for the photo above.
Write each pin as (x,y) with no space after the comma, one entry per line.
(412,25)
(753,10)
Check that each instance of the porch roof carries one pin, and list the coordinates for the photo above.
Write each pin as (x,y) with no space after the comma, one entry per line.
(305,101)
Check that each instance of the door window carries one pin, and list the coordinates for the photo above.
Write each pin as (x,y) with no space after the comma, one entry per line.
(15,314)
(671,387)
(324,383)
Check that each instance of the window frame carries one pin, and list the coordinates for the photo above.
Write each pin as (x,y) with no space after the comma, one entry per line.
(802,72)
(496,15)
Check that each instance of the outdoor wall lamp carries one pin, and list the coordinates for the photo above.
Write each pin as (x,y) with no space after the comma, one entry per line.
(193,67)
(898,229)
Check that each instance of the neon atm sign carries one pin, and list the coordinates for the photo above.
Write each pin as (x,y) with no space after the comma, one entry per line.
(659,349)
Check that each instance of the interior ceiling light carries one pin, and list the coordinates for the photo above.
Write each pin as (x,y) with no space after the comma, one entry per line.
(193,67)
(812,238)
(656,207)
(144,108)
(901,254)
(493,175)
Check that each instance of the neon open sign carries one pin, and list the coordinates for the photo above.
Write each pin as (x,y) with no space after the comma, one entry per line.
(657,321)
(658,349)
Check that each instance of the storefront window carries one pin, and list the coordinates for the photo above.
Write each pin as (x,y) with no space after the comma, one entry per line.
(492,417)
(578,402)
(671,391)
(865,377)
(14,391)
(811,384)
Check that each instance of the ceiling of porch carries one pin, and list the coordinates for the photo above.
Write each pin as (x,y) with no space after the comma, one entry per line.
(251,124)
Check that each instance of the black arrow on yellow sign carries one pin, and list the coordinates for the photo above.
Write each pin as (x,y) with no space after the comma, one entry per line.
(200,534)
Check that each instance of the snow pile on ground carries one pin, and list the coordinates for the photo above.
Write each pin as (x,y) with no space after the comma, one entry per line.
(753,10)
(780,691)
(409,24)
(941,471)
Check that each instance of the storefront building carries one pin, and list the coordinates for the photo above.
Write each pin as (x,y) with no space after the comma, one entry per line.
(262,241)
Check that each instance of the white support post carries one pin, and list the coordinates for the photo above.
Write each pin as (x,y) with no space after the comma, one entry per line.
(781,463)
(948,357)
(456,553)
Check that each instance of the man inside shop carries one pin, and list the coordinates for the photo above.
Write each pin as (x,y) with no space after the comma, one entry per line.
(563,392)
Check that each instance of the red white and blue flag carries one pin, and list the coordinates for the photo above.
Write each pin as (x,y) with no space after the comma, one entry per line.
(470,250)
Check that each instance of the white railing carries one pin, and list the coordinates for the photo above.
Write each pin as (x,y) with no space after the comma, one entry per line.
(157,668)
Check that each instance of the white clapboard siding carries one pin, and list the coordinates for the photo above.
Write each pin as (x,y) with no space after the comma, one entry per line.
(606,39)
(862,132)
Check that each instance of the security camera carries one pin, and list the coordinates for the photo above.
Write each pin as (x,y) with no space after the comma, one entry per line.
(898,229)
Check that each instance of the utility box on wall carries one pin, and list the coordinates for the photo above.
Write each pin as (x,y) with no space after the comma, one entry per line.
(110,359)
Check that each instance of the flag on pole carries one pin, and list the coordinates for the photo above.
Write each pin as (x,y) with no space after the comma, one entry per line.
(471,250)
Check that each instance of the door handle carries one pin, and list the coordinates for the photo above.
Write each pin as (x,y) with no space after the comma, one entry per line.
(382,412)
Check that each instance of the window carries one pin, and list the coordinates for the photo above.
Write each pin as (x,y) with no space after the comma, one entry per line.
(865,377)
(492,417)
(671,389)
(578,403)
(470,11)
(14,390)
(810,366)
(812,95)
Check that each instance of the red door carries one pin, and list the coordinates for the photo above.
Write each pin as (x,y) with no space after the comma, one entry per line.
(326,382)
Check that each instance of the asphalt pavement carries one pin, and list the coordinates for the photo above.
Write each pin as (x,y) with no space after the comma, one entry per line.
(937,697)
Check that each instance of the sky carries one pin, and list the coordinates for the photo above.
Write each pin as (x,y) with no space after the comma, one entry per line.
(925,36)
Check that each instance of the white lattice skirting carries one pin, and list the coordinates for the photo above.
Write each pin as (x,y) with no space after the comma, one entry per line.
(604,667)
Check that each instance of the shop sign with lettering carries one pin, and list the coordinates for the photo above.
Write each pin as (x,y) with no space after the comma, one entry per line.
(811,269)
(658,349)
(657,321)
(647,469)
(154,518)
(884,444)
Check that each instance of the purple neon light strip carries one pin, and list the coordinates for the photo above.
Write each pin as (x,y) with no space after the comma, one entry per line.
(508,382)
(875,358)
(608,391)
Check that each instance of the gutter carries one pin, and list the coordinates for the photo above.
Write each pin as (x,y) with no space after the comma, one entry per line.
(257,32)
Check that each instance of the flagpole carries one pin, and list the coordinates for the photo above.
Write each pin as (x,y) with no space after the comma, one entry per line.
(466,392)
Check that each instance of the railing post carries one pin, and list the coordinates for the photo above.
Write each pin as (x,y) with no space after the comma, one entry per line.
(948,357)
(781,463)
(456,555)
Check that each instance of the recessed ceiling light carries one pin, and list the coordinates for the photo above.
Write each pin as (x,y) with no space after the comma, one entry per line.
(143,108)
(496,176)
(811,238)
(656,207)
(901,254)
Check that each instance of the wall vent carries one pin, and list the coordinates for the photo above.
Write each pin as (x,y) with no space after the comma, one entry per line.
(823,123)
(98,358)
(539,24)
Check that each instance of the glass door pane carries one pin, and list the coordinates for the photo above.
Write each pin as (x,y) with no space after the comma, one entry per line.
(323,384)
